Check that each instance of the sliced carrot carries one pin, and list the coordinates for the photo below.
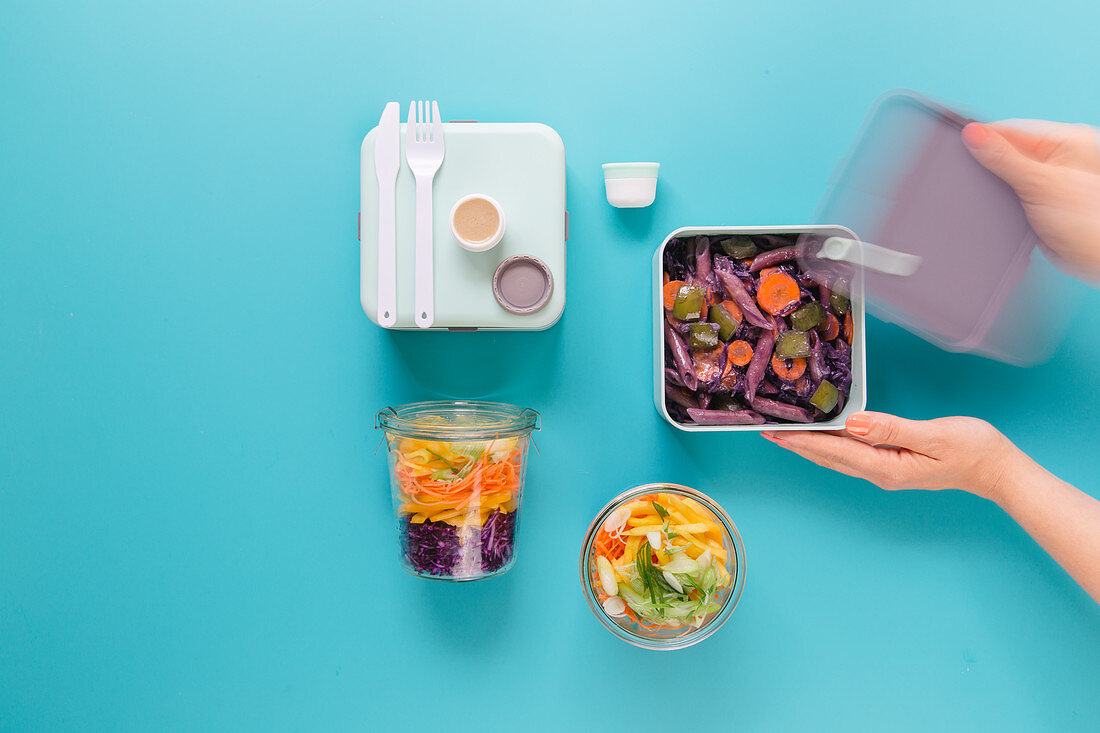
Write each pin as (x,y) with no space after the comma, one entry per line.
(778,292)
(768,271)
(796,369)
(734,310)
(666,280)
(739,353)
(849,327)
(670,292)
(830,329)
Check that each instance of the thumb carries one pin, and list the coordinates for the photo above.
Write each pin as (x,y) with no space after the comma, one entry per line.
(878,428)
(998,156)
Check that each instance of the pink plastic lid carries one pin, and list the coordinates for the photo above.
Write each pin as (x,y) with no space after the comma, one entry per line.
(953,257)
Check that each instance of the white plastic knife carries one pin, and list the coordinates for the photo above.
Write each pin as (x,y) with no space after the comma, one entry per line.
(387,162)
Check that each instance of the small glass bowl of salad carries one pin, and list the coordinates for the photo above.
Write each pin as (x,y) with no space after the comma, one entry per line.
(456,471)
(662,566)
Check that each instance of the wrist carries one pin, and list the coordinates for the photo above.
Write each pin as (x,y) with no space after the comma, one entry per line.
(1002,472)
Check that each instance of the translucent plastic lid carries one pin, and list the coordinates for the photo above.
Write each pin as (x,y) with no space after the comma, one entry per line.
(945,247)
(457,420)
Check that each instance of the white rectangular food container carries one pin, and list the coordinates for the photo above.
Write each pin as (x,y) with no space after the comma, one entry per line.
(857,398)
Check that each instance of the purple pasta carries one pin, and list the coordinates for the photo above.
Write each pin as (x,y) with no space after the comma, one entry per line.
(739,294)
(726,417)
(761,355)
(680,396)
(702,260)
(774,408)
(816,360)
(773,257)
(681,358)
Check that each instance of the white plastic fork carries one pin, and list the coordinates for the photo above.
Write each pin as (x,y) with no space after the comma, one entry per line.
(424,153)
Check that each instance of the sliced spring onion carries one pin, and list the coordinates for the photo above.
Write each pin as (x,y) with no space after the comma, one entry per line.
(616,520)
(607,576)
(614,606)
(681,564)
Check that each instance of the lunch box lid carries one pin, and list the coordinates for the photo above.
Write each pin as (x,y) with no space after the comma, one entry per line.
(951,256)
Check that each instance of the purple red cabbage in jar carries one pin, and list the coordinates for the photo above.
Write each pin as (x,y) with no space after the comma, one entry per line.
(443,550)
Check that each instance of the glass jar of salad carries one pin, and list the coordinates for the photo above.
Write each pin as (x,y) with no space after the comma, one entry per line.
(456,470)
(662,566)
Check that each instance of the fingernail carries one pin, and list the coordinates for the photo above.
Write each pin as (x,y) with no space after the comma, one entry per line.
(773,437)
(975,135)
(859,424)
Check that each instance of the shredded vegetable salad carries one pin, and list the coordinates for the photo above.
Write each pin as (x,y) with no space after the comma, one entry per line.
(660,561)
(458,502)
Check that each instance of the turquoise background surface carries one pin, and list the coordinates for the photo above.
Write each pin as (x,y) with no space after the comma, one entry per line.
(195,523)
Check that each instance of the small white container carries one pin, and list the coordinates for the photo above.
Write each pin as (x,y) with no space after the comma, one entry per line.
(630,185)
(857,397)
(481,245)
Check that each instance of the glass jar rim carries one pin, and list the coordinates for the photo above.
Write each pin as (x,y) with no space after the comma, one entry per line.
(487,420)
(717,620)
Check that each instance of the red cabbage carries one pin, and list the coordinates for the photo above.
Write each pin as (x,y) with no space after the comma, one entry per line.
(435,548)
(498,536)
(430,547)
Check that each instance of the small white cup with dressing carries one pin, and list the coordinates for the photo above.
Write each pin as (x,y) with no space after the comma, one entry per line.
(477,222)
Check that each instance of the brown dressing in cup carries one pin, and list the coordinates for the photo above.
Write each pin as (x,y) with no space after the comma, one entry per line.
(476,220)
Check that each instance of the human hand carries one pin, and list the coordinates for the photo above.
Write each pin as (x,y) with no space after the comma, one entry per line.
(895,453)
(1055,170)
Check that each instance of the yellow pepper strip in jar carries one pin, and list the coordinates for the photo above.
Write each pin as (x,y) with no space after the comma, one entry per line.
(648,521)
(690,509)
(677,528)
